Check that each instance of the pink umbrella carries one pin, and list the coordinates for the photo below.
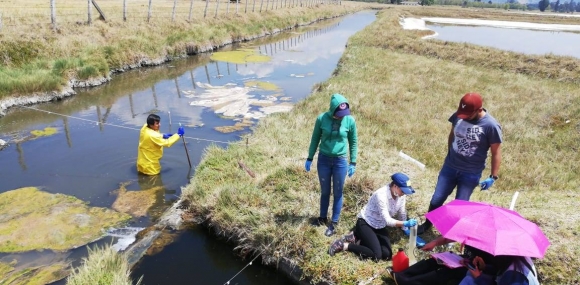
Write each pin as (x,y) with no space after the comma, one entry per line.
(490,228)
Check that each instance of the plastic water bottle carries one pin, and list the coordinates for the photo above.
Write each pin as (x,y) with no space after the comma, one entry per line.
(412,244)
(400,261)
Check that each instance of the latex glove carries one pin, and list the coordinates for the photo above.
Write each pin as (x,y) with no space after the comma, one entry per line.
(410,223)
(406,230)
(180,131)
(351,170)
(486,184)
(166,136)
(307,165)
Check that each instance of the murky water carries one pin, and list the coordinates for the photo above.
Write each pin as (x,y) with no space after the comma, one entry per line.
(517,40)
(95,146)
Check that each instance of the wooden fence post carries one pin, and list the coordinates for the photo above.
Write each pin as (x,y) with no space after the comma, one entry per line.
(173,12)
(261,4)
(254,6)
(149,12)
(0,20)
(53,14)
(228,7)
(90,10)
(246,9)
(190,9)
(217,6)
(205,10)
(124,10)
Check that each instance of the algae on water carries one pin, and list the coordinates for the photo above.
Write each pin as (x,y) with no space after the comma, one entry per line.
(240,56)
(136,203)
(31,219)
(34,276)
(48,131)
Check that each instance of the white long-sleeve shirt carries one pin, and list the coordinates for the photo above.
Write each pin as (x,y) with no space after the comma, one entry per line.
(382,207)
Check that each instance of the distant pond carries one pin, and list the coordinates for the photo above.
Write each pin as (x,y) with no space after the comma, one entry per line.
(516,40)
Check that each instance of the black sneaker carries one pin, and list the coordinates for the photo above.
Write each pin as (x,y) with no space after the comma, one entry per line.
(331,229)
(336,246)
(317,222)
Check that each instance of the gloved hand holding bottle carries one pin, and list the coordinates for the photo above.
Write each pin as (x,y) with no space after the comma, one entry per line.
(410,223)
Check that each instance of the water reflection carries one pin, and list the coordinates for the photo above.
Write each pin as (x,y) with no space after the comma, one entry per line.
(517,40)
(95,148)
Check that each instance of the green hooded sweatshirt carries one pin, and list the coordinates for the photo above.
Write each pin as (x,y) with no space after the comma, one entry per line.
(332,135)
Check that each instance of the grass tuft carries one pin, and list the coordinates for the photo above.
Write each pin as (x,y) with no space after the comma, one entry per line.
(104,266)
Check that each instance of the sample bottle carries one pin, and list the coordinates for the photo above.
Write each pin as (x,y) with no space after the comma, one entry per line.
(400,261)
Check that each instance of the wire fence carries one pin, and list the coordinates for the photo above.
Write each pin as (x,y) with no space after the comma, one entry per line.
(14,14)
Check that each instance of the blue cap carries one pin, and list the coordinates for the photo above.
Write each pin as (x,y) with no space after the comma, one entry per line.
(342,110)
(403,181)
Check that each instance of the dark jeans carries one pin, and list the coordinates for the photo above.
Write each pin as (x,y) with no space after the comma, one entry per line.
(428,272)
(331,173)
(374,243)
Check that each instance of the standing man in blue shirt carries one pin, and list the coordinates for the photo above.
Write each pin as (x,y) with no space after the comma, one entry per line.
(473,132)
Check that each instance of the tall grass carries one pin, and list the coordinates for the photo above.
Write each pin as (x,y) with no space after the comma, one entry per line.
(84,52)
(104,266)
(401,101)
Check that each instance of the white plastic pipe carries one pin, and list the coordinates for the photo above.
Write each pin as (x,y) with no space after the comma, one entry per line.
(403,155)
(514,198)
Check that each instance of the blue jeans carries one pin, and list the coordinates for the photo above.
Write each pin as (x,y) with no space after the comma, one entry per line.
(331,170)
(482,279)
(450,178)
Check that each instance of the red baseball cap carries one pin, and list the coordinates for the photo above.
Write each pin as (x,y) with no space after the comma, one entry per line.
(469,103)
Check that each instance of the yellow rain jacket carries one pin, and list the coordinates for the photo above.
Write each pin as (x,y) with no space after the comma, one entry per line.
(151,145)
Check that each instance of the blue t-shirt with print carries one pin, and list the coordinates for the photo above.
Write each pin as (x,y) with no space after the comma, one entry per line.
(472,139)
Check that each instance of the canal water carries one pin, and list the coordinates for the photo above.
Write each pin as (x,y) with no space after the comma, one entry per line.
(94,148)
(534,42)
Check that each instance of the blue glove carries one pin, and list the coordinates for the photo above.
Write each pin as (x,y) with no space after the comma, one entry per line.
(410,223)
(166,136)
(307,165)
(351,170)
(486,184)
(180,131)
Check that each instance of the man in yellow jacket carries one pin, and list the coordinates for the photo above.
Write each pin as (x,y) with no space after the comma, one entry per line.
(151,143)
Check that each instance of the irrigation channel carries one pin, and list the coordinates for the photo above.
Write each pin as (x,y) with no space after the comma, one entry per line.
(86,145)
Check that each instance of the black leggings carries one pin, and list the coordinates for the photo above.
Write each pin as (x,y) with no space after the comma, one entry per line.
(374,243)
(428,272)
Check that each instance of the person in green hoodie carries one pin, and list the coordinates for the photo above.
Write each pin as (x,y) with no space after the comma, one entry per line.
(335,136)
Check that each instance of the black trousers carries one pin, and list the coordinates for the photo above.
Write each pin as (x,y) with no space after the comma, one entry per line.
(374,243)
(428,272)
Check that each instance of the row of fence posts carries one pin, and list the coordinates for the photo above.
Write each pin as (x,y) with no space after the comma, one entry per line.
(269,3)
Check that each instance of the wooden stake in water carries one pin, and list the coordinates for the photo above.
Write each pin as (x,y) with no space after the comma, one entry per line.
(185,146)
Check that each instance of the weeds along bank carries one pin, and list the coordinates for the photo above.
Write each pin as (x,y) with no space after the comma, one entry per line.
(401,96)
(39,64)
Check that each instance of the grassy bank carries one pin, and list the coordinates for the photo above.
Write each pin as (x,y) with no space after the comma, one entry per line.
(103,266)
(36,58)
(401,96)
